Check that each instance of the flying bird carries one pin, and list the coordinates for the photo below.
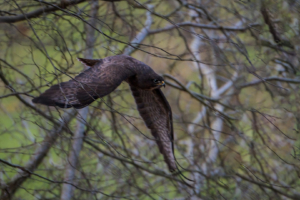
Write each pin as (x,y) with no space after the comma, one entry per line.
(103,77)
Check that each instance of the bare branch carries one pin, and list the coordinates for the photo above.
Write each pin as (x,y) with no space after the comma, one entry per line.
(39,12)
(67,189)
(37,157)
(286,80)
(269,21)
(140,36)
(203,26)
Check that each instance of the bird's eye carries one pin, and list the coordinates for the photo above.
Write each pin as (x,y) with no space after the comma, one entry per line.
(155,80)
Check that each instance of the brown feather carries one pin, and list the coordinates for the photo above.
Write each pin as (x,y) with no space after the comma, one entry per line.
(157,114)
(104,77)
(89,62)
(85,88)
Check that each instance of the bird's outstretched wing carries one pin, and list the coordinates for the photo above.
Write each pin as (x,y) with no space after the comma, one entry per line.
(156,112)
(99,80)
(104,76)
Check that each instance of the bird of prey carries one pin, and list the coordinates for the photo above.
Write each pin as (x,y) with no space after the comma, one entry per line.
(103,77)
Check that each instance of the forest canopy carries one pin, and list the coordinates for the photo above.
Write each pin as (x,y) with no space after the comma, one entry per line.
(232,78)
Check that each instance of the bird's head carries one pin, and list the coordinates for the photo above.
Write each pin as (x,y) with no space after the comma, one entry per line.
(147,80)
(157,82)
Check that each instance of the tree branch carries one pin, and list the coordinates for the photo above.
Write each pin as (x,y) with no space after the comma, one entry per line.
(38,12)
(37,157)
(287,80)
(67,189)
(204,26)
(29,172)
(140,36)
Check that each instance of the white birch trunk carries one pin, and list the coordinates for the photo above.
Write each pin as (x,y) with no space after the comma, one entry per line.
(67,189)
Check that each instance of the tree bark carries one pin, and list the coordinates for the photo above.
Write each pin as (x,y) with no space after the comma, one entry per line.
(67,189)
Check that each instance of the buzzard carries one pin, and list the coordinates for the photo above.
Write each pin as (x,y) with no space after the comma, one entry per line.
(103,77)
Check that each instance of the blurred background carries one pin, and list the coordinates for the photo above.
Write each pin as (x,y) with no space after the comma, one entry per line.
(232,74)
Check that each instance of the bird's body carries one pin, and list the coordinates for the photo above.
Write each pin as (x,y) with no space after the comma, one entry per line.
(104,76)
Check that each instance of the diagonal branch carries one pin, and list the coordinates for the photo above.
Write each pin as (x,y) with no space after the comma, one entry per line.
(140,36)
(269,21)
(38,12)
(37,157)
(27,171)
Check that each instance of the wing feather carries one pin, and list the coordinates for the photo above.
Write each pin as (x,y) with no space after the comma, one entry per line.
(104,77)
(157,115)
(88,86)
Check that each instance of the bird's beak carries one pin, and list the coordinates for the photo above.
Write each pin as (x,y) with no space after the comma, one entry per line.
(162,83)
